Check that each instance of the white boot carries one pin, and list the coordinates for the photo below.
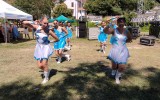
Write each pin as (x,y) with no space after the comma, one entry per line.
(46,77)
(100,50)
(113,73)
(59,60)
(66,47)
(67,56)
(104,49)
(69,47)
(118,76)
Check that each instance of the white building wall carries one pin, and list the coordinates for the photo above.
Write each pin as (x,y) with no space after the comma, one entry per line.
(76,12)
(68,3)
(81,14)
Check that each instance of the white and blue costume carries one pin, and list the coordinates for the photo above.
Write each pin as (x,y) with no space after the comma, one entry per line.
(114,27)
(119,53)
(43,50)
(102,37)
(62,39)
(69,32)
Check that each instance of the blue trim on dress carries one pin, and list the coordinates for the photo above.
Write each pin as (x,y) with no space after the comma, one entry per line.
(111,59)
(56,49)
(102,41)
(59,48)
(116,61)
(43,58)
(114,40)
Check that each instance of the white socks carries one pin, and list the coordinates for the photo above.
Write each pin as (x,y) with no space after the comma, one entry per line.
(104,48)
(46,77)
(68,44)
(118,76)
(46,74)
(59,60)
(100,50)
(67,56)
(67,47)
(113,72)
(57,57)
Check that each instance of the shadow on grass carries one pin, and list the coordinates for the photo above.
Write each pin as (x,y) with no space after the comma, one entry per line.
(20,41)
(88,81)
(52,73)
(16,41)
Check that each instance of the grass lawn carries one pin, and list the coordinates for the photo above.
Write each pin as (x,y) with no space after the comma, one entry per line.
(85,77)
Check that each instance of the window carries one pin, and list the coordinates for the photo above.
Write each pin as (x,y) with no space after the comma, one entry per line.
(72,4)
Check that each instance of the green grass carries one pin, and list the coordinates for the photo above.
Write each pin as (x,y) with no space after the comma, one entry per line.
(85,77)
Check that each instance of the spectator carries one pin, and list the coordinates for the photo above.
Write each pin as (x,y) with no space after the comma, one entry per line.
(6,28)
(15,31)
(26,32)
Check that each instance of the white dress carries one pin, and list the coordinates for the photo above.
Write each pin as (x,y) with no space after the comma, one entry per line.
(26,30)
(119,53)
(43,50)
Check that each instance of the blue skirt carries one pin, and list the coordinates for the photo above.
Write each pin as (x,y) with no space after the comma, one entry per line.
(102,37)
(69,35)
(56,46)
(60,44)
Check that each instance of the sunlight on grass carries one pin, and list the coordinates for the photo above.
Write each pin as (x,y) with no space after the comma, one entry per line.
(85,77)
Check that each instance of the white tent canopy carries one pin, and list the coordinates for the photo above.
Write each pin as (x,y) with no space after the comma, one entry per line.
(9,12)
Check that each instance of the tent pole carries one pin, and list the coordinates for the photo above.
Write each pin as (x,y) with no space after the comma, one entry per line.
(5,30)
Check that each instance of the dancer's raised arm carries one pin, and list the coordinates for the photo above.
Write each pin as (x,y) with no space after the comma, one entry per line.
(30,24)
(108,30)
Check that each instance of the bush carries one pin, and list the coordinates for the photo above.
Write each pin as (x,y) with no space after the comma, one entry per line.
(91,24)
(74,23)
(144,28)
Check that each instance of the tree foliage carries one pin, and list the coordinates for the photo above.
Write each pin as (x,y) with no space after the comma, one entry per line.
(61,9)
(149,4)
(127,8)
(115,7)
(35,7)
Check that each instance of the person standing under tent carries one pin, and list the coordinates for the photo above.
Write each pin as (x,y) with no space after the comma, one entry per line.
(6,27)
(15,31)
(1,33)
(119,53)
(26,32)
(43,50)
(102,37)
